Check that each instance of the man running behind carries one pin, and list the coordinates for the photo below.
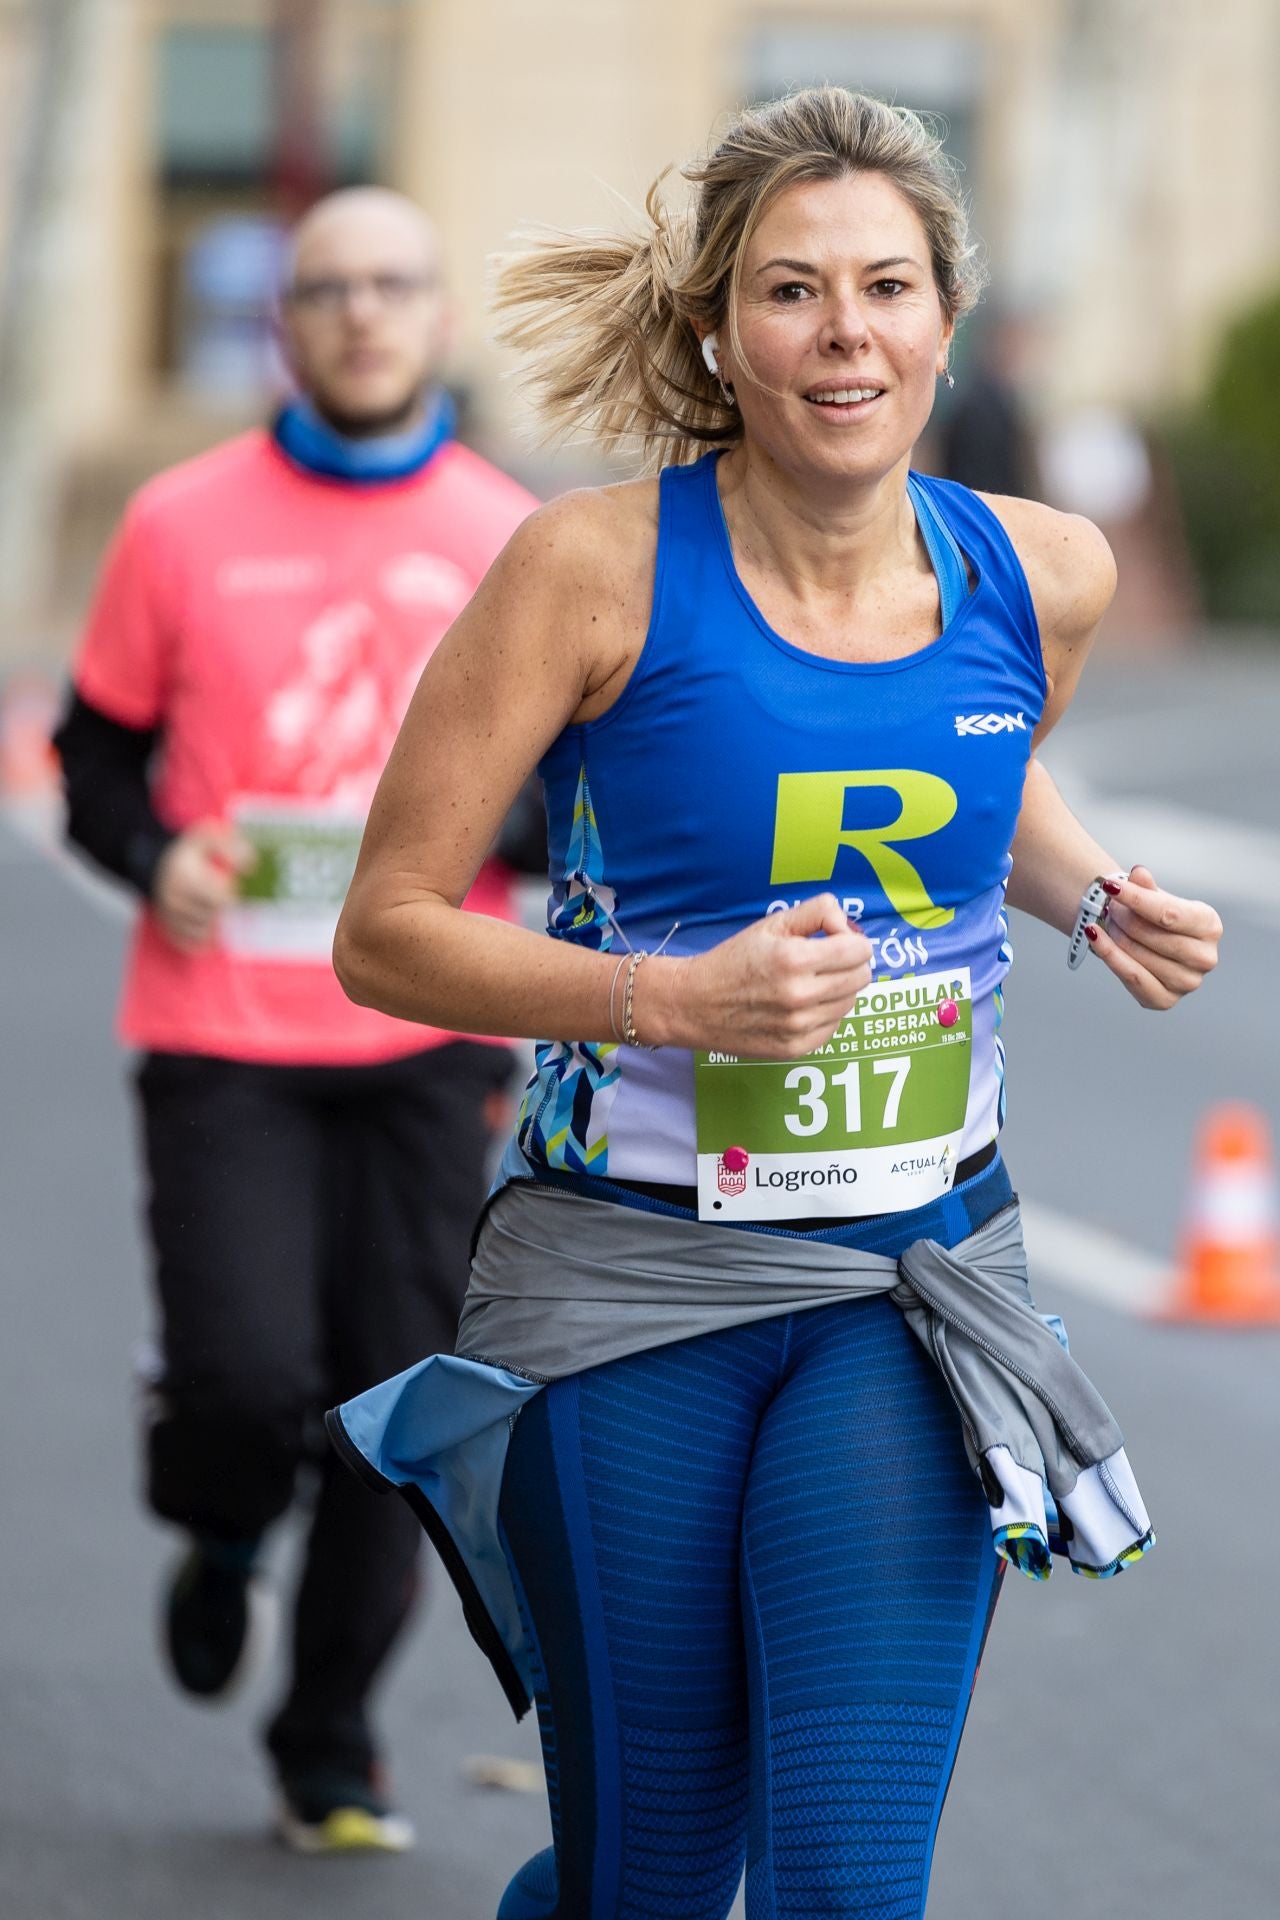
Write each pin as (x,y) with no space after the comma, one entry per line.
(314,1167)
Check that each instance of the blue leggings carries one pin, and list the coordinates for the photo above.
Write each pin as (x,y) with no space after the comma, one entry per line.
(759,1574)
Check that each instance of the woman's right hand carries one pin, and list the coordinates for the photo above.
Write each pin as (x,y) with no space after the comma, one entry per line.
(772,992)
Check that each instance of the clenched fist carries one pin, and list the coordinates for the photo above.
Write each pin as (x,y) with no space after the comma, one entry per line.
(772,992)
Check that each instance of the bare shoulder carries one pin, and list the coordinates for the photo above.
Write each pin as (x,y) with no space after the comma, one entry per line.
(586,562)
(591,538)
(1069,566)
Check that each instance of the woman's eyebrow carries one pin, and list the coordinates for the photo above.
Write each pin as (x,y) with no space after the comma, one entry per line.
(872,266)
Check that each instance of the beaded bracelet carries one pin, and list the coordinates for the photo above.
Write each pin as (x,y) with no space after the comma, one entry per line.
(629,1033)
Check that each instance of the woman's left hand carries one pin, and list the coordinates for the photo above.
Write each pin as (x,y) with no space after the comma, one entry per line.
(1159,945)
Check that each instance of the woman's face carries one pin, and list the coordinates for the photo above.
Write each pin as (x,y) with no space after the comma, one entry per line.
(842,327)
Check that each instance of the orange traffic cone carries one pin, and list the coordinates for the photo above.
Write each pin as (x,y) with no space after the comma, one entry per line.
(1229,1269)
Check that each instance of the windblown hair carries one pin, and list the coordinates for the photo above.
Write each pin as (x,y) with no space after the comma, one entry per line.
(606,321)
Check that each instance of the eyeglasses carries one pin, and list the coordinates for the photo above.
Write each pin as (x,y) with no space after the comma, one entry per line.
(331,295)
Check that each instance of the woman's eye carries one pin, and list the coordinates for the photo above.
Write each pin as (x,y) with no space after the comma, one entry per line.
(790,292)
(889,288)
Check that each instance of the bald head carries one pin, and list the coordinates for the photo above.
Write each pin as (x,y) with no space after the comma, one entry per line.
(368,216)
(365,317)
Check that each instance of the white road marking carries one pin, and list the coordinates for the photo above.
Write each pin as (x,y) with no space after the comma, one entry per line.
(1224,861)
(1091,1261)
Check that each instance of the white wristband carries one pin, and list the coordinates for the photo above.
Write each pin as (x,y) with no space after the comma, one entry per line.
(1093,911)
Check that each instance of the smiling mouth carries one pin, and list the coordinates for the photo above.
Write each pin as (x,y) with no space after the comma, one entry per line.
(844,399)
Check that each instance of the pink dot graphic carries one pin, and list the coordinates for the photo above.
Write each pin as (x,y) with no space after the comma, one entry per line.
(735,1159)
(948,1013)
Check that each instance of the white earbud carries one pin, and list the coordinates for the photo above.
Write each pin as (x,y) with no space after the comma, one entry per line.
(709,345)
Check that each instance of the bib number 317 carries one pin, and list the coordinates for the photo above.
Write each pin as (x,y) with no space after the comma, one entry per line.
(810,1084)
(871,1124)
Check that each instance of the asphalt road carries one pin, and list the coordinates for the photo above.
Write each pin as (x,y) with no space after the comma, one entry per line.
(1123,1747)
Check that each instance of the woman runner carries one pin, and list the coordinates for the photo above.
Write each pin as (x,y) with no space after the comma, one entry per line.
(785,689)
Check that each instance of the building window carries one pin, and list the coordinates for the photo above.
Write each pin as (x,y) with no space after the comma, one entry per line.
(214,106)
(941,71)
(935,71)
(226,172)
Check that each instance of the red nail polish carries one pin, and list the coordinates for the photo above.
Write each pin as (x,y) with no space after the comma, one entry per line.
(1111,886)
(1091,934)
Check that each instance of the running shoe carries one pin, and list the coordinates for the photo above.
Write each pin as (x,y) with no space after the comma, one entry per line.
(217,1617)
(329,1810)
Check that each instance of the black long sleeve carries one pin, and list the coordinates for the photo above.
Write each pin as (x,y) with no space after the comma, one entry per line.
(104,776)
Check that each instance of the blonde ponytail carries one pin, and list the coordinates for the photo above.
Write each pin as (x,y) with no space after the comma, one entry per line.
(612,354)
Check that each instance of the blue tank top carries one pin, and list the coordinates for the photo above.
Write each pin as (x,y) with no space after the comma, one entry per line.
(737,774)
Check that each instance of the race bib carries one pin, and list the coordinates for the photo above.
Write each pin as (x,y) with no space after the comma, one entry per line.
(871,1123)
(290,901)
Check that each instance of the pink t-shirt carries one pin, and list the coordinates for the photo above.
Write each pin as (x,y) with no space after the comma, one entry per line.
(274,625)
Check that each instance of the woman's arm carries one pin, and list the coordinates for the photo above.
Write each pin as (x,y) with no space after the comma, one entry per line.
(549,638)
(1072,577)
(1054,856)
(502,684)
(1159,945)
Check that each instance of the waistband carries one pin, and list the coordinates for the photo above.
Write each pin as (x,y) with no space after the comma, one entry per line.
(982,1188)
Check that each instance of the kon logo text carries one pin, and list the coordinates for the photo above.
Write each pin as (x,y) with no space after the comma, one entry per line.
(991,723)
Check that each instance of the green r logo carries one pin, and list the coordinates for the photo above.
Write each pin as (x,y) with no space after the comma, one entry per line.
(809,832)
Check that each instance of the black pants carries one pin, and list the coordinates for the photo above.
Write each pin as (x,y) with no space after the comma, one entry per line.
(310,1228)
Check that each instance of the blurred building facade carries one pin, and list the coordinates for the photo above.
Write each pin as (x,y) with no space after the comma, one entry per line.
(1121,155)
